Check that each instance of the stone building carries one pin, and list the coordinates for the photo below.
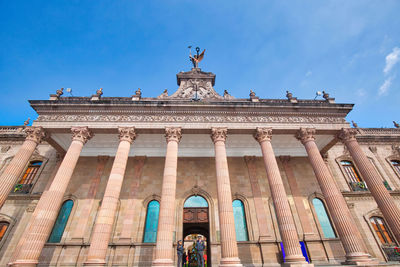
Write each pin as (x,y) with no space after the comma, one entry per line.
(267,182)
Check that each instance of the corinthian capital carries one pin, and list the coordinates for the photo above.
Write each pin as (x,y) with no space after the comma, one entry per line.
(263,134)
(305,135)
(127,134)
(35,134)
(347,134)
(82,134)
(219,134)
(173,134)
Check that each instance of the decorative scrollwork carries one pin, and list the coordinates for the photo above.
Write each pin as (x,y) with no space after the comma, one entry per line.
(305,135)
(36,134)
(82,134)
(127,134)
(219,134)
(173,134)
(263,134)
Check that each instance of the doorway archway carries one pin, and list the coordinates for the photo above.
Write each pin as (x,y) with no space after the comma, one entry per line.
(196,222)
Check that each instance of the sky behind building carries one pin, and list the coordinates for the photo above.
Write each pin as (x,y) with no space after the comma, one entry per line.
(351,49)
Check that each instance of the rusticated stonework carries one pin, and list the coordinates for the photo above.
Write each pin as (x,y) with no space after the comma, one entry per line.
(305,135)
(173,134)
(82,134)
(127,134)
(263,134)
(219,134)
(215,117)
(347,134)
(36,134)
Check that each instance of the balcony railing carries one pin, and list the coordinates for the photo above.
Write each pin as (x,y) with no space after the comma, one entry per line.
(392,252)
(358,186)
(22,188)
(386,184)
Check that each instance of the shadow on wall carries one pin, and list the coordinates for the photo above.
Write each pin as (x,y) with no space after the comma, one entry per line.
(146,255)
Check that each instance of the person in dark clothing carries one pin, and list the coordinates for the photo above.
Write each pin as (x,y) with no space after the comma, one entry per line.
(179,251)
(200,247)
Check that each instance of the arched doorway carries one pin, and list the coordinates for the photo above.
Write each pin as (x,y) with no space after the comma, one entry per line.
(196,222)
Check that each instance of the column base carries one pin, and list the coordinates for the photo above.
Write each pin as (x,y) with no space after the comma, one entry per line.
(360,259)
(24,263)
(230,262)
(95,263)
(162,263)
(297,264)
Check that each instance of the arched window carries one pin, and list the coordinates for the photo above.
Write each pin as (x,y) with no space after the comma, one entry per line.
(396,165)
(61,222)
(195,202)
(26,182)
(240,221)
(381,230)
(323,218)
(3,229)
(150,230)
(352,175)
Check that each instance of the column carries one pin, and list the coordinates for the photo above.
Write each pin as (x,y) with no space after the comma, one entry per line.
(14,169)
(105,220)
(164,247)
(374,182)
(287,228)
(352,241)
(50,202)
(229,249)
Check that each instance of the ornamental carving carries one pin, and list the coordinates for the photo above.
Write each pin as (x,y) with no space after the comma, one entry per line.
(219,134)
(206,118)
(173,134)
(127,134)
(35,134)
(347,135)
(82,134)
(263,134)
(196,88)
(305,135)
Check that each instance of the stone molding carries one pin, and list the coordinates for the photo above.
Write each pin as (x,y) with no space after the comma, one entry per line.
(263,134)
(188,89)
(347,134)
(82,134)
(205,117)
(127,134)
(35,134)
(305,135)
(219,134)
(173,134)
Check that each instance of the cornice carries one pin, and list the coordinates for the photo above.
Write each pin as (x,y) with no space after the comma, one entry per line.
(366,195)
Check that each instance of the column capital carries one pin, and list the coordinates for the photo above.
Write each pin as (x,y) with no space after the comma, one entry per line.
(305,135)
(219,134)
(127,134)
(347,134)
(35,134)
(173,134)
(82,134)
(263,134)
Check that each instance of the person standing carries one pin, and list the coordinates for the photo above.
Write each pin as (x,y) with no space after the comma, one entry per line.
(179,251)
(200,246)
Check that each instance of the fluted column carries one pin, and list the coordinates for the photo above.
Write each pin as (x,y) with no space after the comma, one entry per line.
(50,202)
(105,220)
(229,249)
(352,241)
(374,182)
(286,224)
(14,169)
(164,247)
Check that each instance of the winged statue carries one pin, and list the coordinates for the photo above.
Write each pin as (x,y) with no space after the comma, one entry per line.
(196,58)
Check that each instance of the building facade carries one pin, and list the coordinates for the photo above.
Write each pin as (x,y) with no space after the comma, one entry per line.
(116,181)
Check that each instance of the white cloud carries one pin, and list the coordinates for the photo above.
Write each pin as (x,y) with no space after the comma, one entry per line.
(361,92)
(308,73)
(392,60)
(385,86)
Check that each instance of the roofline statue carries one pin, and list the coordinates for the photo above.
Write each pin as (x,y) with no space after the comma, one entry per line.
(196,58)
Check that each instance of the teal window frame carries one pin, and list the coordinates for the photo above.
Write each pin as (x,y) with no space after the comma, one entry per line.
(323,218)
(240,220)
(151,225)
(61,222)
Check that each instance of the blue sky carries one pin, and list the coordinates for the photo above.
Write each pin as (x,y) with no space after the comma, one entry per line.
(351,49)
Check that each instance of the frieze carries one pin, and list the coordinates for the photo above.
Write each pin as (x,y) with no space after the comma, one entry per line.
(192,118)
